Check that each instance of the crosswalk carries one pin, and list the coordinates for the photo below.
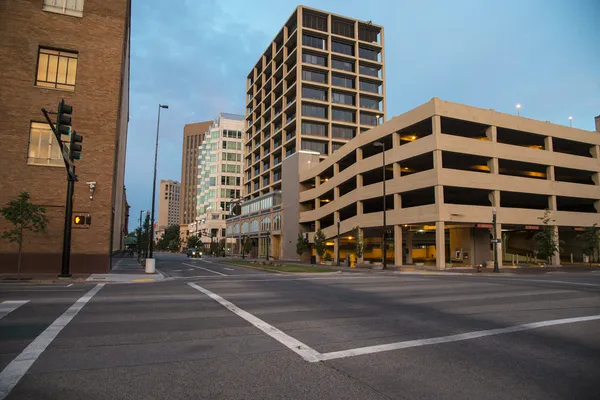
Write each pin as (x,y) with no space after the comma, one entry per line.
(8,306)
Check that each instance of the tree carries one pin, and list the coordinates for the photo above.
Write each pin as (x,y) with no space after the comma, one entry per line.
(360,244)
(24,216)
(247,245)
(320,245)
(221,248)
(545,242)
(170,239)
(143,238)
(590,240)
(193,242)
(302,244)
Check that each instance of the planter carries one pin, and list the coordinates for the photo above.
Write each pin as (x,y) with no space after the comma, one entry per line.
(328,262)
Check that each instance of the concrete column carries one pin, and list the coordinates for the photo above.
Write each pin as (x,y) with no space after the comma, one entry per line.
(336,192)
(359,181)
(317,203)
(439,194)
(494,197)
(398,245)
(397,170)
(550,172)
(317,181)
(437,159)
(548,143)
(556,257)
(409,245)
(492,134)
(359,154)
(397,201)
(359,207)
(552,203)
(336,216)
(595,151)
(499,236)
(436,125)
(440,245)
(493,165)
(336,169)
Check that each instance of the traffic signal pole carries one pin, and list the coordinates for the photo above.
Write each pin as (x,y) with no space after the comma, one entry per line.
(66,254)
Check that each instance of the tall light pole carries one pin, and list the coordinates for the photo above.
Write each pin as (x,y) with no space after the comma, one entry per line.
(571,122)
(338,243)
(495,240)
(154,181)
(383,252)
(518,110)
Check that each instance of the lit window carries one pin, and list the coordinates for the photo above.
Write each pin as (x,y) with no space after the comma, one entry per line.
(67,7)
(43,149)
(56,69)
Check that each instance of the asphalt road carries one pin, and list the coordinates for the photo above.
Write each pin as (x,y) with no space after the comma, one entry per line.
(252,335)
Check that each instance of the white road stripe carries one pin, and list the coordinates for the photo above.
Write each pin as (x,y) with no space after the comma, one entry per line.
(18,367)
(70,285)
(453,338)
(228,269)
(206,269)
(6,307)
(295,345)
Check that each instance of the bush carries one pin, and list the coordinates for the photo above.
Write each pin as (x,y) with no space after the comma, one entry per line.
(328,257)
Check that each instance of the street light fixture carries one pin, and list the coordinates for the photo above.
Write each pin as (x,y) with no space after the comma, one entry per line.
(383,256)
(571,122)
(495,240)
(518,109)
(154,181)
(338,242)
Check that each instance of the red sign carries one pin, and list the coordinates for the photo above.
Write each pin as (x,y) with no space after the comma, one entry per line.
(488,226)
(532,227)
(579,229)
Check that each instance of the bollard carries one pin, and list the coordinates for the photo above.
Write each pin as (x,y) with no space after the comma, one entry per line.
(571,258)
(150,265)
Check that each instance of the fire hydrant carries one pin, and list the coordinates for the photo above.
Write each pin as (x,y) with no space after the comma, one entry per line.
(479,267)
(352,261)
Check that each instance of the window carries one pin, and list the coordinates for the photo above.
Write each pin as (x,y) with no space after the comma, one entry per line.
(368,119)
(245,227)
(371,71)
(313,145)
(313,59)
(56,69)
(342,48)
(342,28)
(236,229)
(311,128)
(342,115)
(277,223)
(232,145)
(343,65)
(229,230)
(314,111)
(314,76)
(342,98)
(368,54)
(342,81)
(277,175)
(254,226)
(231,168)
(367,102)
(265,181)
(213,181)
(342,132)
(317,94)
(230,180)
(314,21)
(313,41)
(336,146)
(67,7)
(230,157)
(265,225)
(43,148)
(369,87)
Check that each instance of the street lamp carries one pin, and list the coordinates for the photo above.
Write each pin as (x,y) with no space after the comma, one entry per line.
(495,240)
(518,109)
(382,145)
(571,122)
(154,181)
(338,242)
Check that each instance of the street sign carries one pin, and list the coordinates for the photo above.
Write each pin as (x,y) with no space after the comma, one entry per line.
(496,241)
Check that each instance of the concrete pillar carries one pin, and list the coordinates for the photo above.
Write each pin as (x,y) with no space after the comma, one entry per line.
(359,181)
(595,151)
(548,143)
(336,244)
(336,169)
(397,201)
(436,125)
(499,236)
(317,181)
(494,197)
(492,134)
(440,245)
(439,194)
(397,170)
(398,245)
(493,166)
(336,192)
(359,154)
(437,159)
(409,246)
(359,207)
(550,172)
(556,257)
(552,203)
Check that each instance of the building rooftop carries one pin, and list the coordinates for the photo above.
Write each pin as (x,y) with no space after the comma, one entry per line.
(235,117)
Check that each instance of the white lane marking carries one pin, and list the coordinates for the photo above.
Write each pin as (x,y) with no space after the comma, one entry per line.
(6,307)
(452,338)
(295,345)
(228,269)
(70,285)
(547,281)
(206,269)
(12,374)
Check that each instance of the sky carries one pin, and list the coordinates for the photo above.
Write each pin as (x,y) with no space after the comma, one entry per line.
(194,56)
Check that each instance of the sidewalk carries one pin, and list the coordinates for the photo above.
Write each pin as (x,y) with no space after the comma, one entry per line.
(127,270)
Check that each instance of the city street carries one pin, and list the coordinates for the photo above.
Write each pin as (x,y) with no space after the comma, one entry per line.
(218,331)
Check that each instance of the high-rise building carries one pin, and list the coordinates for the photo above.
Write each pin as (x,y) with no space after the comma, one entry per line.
(219,175)
(319,83)
(168,204)
(77,51)
(193,134)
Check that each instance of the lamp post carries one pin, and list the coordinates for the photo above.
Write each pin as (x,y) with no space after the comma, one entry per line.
(495,240)
(154,181)
(518,110)
(338,243)
(383,256)
(571,122)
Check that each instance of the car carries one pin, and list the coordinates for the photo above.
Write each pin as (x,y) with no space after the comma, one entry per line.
(194,253)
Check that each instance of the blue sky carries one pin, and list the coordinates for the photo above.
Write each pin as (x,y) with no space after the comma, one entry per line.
(194,56)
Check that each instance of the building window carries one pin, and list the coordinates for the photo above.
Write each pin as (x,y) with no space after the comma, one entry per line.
(342,28)
(314,21)
(43,148)
(314,111)
(342,48)
(314,76)
(368,119)
(342,81)
(277,223)
(313,145)
(342,98)
(245,227)
(342,132)
(317,94)
(67,7)
(56,69)
(311,128)
(336,146)
(368,54)
(265,225)
(369,87)
(367,102)
(342,115)
(371,71)
(343,65)
(254,226)
(313,41)
(313,59)
(236,229)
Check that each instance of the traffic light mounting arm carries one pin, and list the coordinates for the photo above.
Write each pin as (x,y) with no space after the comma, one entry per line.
(68,163)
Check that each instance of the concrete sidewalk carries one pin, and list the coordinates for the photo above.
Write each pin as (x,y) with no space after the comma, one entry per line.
(127,270)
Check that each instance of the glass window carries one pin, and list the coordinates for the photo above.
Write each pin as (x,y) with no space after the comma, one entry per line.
(313,59)
(342,48)
(369,87)
(371,71)
(367,102)
(254,226)
(313,145)
(317,94)
(43,148)
(342,28)
(67,7)
(368,119)
(277,223)
(213,181)
(342,98)
(368,54)
(337,80)
(342,115)
(265,225)
(343,65)
(56,69)
(314,76)
(313,41)
(236,229)
(312,128)
(336,146)
(342,132)
(314,111)
(245,227)
(314,21)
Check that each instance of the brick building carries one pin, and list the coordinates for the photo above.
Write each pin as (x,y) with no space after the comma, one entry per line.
(77,50)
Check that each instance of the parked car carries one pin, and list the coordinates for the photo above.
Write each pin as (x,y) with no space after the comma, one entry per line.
(194,253)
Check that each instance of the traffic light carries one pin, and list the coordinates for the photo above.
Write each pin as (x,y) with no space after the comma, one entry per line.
(75,147)
(63,119)
(82,220)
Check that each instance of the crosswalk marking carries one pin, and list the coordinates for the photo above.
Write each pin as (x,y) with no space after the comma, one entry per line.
(6,307)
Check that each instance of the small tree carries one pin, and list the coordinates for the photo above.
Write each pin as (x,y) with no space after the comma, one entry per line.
(302,244)
(360,244)
(24,216)
(193,242)
(545,243)
(328,257)
(320,245)
(590,240)
(247,245)
(222,247)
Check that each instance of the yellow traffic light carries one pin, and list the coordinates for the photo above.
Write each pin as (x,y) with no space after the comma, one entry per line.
(78,220)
